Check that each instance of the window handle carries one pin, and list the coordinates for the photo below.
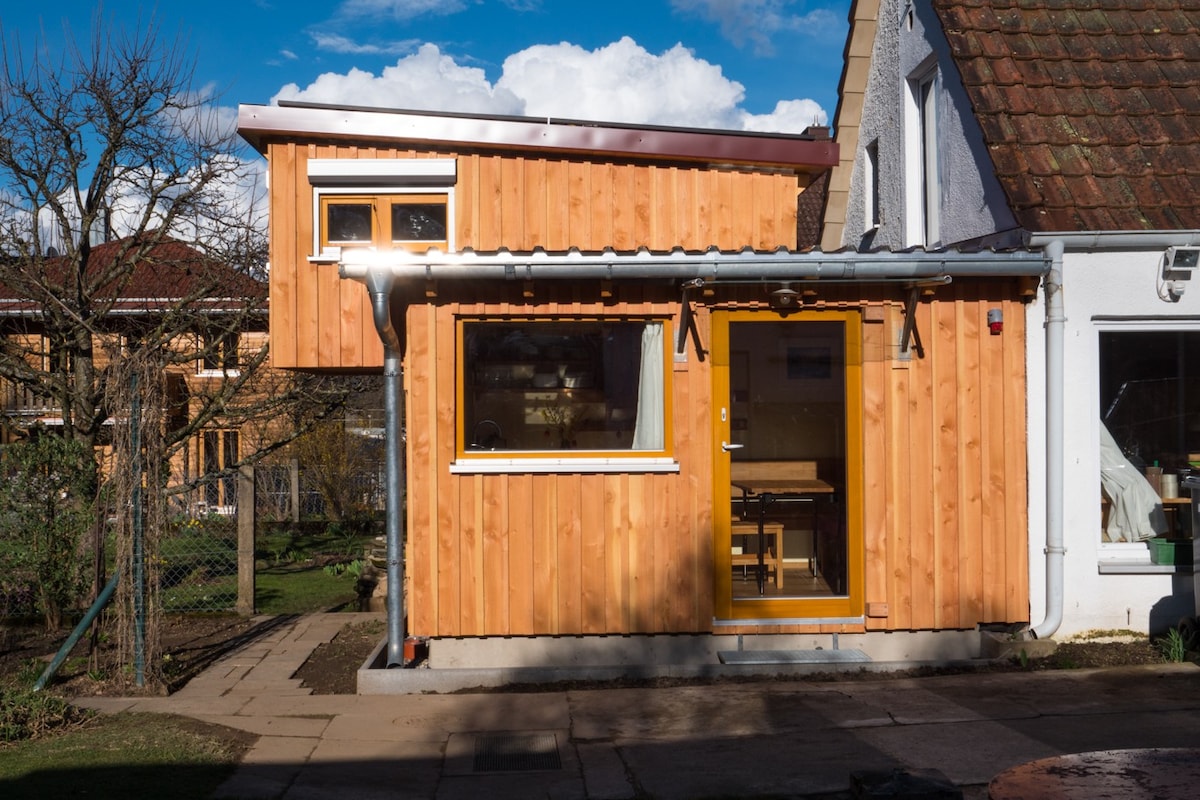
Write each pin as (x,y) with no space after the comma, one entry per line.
(726,446)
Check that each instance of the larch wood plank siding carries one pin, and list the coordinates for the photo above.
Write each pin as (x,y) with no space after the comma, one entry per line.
(1016,519)
(970,436)
(946,466)
(285,231)
(943,462)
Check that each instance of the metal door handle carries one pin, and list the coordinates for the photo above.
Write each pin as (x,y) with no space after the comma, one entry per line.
(727,446)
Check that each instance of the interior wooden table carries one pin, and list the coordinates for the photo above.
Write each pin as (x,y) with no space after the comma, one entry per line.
(770,490)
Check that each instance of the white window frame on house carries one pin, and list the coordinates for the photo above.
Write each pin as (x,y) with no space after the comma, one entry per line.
(381,183)
(871,187)
(219,355)
(1129,557)
(217,450)
(923,182)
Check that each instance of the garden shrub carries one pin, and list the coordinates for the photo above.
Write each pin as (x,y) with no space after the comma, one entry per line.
(30,715)
(46,489)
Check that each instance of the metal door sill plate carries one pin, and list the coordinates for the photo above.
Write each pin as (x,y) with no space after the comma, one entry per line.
(762,657)
(515,752)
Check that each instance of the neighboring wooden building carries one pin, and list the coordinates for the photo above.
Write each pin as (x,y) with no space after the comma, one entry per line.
(605,329)
(219,315)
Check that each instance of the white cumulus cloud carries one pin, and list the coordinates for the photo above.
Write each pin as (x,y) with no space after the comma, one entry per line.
(620,82)
(426,80)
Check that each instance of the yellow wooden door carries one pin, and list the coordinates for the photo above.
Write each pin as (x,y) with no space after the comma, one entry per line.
(787,433)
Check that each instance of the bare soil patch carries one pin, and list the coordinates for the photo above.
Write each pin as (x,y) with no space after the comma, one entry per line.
(333,667)
(190,643)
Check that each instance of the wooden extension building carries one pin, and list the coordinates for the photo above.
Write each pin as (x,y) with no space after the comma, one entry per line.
(636,401)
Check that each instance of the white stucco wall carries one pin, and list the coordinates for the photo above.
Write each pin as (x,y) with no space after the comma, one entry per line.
(972,203)
(1103,290)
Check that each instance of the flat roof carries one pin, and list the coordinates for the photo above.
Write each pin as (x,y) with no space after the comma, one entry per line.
(812,151)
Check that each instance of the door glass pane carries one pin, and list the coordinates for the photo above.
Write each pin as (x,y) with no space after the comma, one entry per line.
(788,413)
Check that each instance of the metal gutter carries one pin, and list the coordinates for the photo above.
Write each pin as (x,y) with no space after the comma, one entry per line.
(712,265)
(1115,240)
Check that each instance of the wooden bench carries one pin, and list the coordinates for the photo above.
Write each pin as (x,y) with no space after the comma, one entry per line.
(773,554)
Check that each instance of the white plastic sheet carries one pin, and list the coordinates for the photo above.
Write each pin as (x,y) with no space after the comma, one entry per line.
(1135,511)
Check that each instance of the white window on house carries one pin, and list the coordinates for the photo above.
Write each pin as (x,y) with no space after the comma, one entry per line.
(563,388)
(219,353)
(1149,413)
(218,455)
(871,187)
(382,203)
(923,192)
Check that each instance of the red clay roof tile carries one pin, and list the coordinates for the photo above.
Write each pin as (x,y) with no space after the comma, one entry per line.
(1090,108)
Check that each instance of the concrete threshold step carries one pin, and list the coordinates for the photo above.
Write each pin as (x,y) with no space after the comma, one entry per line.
(793,656)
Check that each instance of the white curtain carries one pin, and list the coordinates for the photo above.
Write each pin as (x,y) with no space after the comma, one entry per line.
(648,428)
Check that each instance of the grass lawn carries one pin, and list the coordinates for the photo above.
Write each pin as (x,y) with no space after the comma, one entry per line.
(121,756)
(297,588)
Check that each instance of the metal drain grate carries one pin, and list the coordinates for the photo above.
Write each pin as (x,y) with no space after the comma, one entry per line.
(516,752)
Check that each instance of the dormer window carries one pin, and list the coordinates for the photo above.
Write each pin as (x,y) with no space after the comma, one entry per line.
(382,203)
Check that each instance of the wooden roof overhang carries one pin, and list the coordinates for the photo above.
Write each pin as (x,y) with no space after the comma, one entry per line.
(812,152)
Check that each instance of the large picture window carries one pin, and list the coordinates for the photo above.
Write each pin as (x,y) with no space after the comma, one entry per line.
(562,387)
(1150,418)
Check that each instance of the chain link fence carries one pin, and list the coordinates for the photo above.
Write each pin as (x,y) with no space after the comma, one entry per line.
(198,552)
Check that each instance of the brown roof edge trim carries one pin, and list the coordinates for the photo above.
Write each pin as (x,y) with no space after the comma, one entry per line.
(257,123)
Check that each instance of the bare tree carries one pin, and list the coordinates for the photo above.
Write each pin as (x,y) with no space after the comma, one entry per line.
(131,245)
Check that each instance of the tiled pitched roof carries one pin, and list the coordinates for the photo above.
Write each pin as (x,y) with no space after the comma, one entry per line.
(1090,108)
(164,271)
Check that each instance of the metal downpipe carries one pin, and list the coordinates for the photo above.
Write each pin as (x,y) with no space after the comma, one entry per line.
(379,286)
(1055,552)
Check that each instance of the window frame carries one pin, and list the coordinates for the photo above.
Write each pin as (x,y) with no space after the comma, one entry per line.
(1124,557)
(338,179)
(923,180)
(468,461)
(381,204)
(219,448)
(225,359)
(871,199)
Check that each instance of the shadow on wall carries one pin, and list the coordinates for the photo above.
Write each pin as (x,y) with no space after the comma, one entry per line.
(1180,604)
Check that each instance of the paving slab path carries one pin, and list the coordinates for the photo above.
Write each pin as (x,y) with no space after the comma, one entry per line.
(770,738)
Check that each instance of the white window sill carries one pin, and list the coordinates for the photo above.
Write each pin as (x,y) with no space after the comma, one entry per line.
(542,465)
(1133,558)
(218,373)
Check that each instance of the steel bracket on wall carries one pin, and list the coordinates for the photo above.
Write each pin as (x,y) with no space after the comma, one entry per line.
(687,324)
(909,332)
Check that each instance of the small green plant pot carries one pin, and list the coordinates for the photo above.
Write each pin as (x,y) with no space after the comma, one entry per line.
(1171,551)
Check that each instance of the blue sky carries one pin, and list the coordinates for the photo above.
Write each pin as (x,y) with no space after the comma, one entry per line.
(754,64)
